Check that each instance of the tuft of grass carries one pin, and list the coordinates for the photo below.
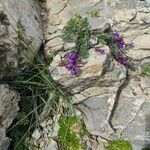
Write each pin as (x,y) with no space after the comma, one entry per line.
(77,30)
(119,145)
(41,96)
(71,133)
(146,70)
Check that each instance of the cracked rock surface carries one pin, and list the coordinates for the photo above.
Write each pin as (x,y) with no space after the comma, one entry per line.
(19,21)
(8,111)
(114,99)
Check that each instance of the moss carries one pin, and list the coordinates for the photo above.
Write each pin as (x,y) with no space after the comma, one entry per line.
(146,70)
(119,145)
(71,133)
(94,13)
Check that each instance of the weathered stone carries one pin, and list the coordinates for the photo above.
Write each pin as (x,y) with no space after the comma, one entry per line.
(4,141)
(112,108)
(96,64)
(9,105)
(96,143)
(68,46)
(2,30)
(130,117)
(141,49)
(36,134)
(23,17)
(8,111)
(52,145)
(124,15)
(55,42)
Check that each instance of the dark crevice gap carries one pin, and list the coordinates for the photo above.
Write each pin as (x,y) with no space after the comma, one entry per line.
(117,98)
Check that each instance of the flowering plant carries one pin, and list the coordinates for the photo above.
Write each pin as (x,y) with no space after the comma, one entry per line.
(77,30)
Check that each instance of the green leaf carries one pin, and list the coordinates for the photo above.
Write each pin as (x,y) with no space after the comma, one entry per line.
(146,70)
(77,30)
(119,145)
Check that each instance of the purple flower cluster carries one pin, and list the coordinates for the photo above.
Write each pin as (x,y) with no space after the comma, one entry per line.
(72,62)
(116,37)
(121,45)
(100,50)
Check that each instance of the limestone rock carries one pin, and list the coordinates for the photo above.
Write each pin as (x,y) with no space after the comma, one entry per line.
(91,71)
(4,141)
(20,22)
(52,145)
(8,111)
(131,116)
(124,15)
(36,134)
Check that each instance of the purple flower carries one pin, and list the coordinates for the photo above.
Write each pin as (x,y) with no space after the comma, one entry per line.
(91,45)
(130,45)
(121,44)
(122,60)
(102,51)
(68,66)
(74,70)
(116,36)
(72,58)
(72,62)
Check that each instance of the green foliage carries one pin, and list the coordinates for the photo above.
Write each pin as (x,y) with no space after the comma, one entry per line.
(146,70)
(77,30)
(35,84)
(146,148)
(119,145)
(70,131)
(94,13)
(105,37)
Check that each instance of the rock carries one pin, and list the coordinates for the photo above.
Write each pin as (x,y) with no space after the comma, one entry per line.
(52,145)
(2,30)
(124,15)
(141,50)
(95,143)
(131,116)
(114,102)
(4,141)
(142,42)
(36,134)
(97,111)
(8,111)
(95,66)
(68,46)
(24,18)
(54,42)
(9,105)
(147,2)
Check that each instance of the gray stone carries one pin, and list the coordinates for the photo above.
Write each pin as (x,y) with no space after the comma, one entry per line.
(8,111)
(131,116)
(52,145)
(92,72)
(17,16)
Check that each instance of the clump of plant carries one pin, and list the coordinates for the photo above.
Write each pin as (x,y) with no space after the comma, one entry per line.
(146,148)
(77,30)
(40,97)
(146,70)
(119,145)
(117,45)
(71,133)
